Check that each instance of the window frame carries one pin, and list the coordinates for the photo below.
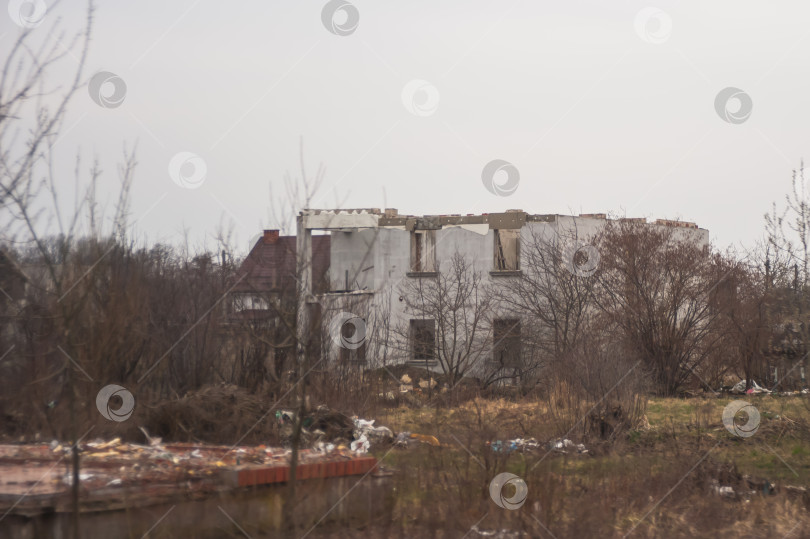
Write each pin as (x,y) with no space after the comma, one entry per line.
(500,260)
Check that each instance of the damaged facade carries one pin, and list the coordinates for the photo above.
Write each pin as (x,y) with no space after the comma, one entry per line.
(380,260)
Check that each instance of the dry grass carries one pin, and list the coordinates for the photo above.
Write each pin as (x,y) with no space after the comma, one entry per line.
(655,482)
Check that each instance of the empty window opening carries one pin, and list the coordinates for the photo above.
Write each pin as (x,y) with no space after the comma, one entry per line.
(506,342)
(423,340)
(507,250)
(423,251)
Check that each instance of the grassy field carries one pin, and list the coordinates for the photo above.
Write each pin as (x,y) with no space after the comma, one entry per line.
(664,478)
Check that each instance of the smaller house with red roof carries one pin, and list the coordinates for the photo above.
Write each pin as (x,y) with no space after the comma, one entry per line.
(266,280)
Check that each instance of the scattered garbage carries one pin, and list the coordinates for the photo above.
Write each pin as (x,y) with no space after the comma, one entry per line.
(518,444)
(644,423)
(402,439)
(116,474)
(755,389)
(361,445)
(406,385)
(68,478)
(525,445)
(724,491)
(804,391)
(428,384)
(324,428)
(321,424)
(365,429)
(564,445)
(405,439)
(498,534)
(763,486)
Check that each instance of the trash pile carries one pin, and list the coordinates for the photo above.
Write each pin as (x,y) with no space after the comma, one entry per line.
(321,424)
(518,444)
(114,475)
(365,432)
(564,445)
(525,445)
(754,487)
(327,430)
(114,463)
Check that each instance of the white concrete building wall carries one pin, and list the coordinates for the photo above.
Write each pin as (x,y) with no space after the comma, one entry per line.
(378,260)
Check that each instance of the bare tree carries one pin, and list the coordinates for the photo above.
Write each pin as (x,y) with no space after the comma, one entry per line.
(450,318)
(555,298)
(655,283)
(787,270)
(742,297)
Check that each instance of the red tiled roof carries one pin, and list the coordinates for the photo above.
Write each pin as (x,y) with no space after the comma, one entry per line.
(270,267)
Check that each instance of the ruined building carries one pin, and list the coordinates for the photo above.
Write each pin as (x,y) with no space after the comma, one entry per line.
(355,275)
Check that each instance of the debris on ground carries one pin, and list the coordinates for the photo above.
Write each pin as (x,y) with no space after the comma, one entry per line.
(518,444)
(525,445)
(404,439)
(804,391)
(724,491)
(361,445)
(755,389)
(644,423)
(323,428)
(378,434)
(319,425)
(498,534)
(763,486)
(728,492)
(31,479)
(564,445)
(428,384)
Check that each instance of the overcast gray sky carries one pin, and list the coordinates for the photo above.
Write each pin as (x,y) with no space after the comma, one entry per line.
(600,106)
